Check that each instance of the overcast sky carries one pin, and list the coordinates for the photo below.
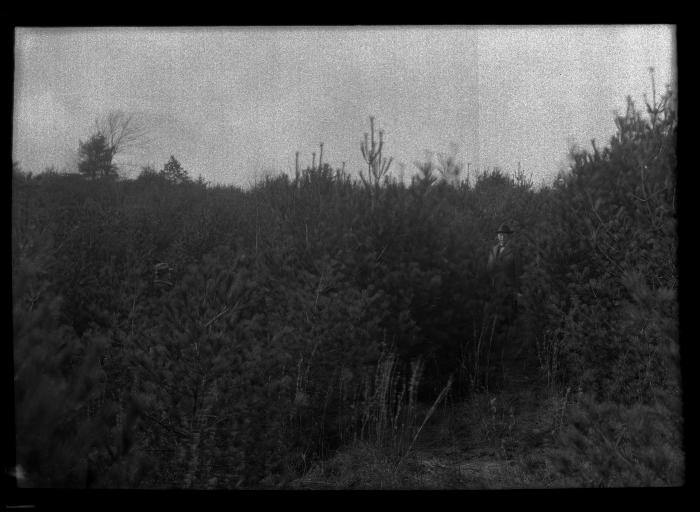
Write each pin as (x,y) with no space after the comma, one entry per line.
(233,104)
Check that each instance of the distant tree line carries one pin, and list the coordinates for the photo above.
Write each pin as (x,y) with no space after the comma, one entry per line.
(169,333)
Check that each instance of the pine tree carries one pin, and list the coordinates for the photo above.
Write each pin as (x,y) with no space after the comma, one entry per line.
(173,171)
(96,158)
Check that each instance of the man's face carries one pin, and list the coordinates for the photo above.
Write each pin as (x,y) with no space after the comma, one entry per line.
(502,238)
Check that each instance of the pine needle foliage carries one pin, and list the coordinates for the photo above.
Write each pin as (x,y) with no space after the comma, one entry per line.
(211,337)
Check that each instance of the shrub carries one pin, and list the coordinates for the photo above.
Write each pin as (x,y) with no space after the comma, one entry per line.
(612,445)
(233,336)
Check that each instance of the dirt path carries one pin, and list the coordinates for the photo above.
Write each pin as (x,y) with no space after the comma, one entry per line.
(494,440)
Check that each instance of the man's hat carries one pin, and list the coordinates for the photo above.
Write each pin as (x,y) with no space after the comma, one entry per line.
(504,228)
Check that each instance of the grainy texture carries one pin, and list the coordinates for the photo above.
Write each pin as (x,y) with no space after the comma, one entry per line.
(317,332)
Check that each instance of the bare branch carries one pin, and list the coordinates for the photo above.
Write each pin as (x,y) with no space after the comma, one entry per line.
(122,131)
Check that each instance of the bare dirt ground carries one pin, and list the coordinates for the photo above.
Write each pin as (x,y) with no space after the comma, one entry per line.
(494,440)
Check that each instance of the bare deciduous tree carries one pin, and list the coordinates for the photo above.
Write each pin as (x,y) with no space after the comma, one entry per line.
(122,131)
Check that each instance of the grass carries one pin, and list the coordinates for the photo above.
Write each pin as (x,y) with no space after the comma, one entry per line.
(491,440)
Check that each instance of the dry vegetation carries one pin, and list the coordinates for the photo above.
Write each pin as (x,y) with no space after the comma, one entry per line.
(320,332)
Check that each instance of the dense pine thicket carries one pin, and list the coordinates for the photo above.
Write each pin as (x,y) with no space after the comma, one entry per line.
(170,333)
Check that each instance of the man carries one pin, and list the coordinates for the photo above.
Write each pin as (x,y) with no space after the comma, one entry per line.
(503,265)
(504,270)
